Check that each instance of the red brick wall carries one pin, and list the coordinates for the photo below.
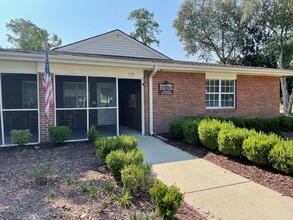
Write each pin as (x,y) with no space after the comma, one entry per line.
(255,96)
(44,121)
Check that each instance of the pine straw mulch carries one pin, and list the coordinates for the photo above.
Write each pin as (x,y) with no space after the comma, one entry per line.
(20,198)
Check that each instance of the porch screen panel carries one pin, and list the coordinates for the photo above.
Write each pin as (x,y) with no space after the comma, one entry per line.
(71,105)
(19,104)
(103,105)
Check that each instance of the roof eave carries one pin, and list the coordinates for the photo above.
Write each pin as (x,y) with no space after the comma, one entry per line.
(146,65)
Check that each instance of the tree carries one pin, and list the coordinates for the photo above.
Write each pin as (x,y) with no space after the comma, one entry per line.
(210,26)
(145,26)
(255,49)
(28,36)
(277,17)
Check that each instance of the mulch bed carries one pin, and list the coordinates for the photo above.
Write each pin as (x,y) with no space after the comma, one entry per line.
(20,198)
(263,175)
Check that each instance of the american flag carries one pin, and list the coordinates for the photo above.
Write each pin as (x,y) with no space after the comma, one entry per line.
(48,87)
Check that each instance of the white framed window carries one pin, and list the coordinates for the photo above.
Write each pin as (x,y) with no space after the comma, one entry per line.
(29,94)
(220,93)
(74,95)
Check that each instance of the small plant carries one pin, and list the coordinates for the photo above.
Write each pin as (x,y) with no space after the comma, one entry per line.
(21,137)
(117,159)
(141,216)
(167,199)
(125,199)
(256,148)
(59,134)
(190,131)
(208,132)
(91,188)
(50,195)
(93,191)
(281,156)
(93,134)
(69,180)
(109,187)
(137,178)
(230,140)
(175,128)
(41,173)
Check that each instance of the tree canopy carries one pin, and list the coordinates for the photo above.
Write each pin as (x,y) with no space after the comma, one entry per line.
(145,26)
(210,26)
(28,36)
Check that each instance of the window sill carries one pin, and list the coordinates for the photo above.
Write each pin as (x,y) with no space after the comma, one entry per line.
(219,108)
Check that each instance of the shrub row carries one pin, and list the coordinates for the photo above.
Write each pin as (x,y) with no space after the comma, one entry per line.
(125,161)
(184,128)
(257,147)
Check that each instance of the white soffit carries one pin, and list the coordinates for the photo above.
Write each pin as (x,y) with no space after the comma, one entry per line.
(228,76)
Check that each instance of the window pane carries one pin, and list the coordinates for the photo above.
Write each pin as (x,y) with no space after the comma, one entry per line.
(19,91)
(212,100)
(76,120)
(20,120)
(71,92)
(227,100)
(227,86)
(105,121)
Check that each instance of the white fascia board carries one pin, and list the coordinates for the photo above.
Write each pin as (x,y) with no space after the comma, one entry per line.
(173,67)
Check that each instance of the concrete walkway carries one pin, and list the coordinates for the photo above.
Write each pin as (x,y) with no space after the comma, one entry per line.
(212,190)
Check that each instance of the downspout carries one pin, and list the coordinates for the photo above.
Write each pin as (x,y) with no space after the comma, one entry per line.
(155,70)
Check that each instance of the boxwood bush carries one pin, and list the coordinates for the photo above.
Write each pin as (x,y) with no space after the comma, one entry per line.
(230,140)
(59,134)
(256,148)
(116,160)
(21,137)
(285,123)
(208,130)
(281,156)
(137,178)
(105,145)
(168,199)
(190,131)
(175,128)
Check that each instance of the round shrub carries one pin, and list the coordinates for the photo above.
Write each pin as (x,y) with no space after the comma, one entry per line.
(116,160)
(137,178)
(21,137)
(105,145)
(59,134)
(256,148)
(126,142)
(168,199)
(281,156)
(208,132)
(190,131)
(230,140)
(175,128)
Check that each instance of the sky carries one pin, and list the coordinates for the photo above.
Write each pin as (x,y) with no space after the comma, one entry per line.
(74,20)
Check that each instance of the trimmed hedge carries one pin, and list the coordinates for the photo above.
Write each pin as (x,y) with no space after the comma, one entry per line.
(190,131)
(208,132)
(59,134)
(105,145)
(21,137)
(256,148)
(230,140)
(116,160)
(281,156)
(175,128)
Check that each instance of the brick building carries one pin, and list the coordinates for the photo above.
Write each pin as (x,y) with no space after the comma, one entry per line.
(113,81)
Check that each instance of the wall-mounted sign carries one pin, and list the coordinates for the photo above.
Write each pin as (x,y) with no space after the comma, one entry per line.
(166,88)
